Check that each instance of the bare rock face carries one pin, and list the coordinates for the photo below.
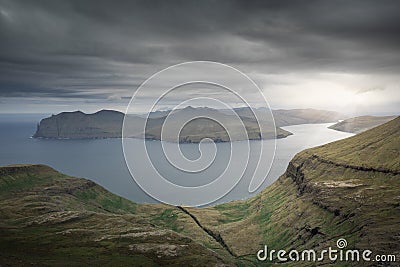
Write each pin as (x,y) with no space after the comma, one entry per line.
(102,124)
(163,250)
(108,124)
(346,189)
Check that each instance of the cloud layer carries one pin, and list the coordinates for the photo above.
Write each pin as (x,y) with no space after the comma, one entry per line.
(100,51)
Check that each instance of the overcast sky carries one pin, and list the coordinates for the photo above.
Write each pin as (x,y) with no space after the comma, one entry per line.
(67,55)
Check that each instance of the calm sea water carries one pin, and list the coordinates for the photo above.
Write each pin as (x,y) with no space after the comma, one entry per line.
(102,160)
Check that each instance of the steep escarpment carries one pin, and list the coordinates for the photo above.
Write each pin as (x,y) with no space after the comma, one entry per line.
(108,124)
(347,189)
(102,124)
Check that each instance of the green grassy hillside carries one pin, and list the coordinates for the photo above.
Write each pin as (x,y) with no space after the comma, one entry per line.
(346,189)
(48,218)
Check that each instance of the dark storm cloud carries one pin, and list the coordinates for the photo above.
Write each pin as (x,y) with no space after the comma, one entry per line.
(95,49)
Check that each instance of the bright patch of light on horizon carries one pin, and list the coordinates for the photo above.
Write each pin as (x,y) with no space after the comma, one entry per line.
(343,92)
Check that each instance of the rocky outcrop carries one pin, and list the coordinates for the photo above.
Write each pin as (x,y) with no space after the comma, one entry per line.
(102,124)
(346,189)
(108,124)
(216,236)
(361,197)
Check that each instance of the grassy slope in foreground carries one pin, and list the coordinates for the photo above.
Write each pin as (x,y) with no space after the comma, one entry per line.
(346,189)
(361,123)
(47,218)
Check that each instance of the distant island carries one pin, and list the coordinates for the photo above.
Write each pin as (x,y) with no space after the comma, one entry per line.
(74,125)
(108,124)
(346,189)
(361,123)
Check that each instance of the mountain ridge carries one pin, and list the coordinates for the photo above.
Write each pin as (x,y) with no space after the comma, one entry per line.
(108,124)
(344,195)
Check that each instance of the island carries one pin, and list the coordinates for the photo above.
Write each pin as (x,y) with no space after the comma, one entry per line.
(347,189)
(108,124)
